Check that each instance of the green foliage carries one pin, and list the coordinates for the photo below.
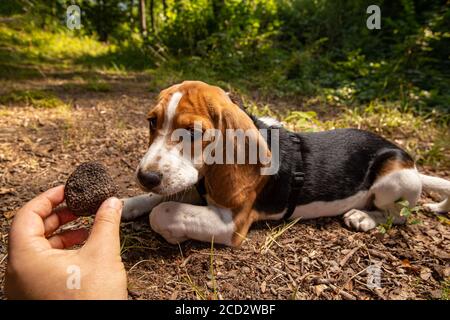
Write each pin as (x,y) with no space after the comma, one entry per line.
(304,121)
(9,8)
(407,212)
(385,227)
(104,17)
(282,48)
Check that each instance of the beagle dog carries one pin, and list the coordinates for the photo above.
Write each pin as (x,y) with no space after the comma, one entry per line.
(346,172)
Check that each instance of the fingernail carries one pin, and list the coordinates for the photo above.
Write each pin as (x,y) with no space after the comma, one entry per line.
(114,203)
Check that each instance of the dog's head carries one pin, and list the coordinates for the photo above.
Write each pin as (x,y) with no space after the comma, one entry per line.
(187,111)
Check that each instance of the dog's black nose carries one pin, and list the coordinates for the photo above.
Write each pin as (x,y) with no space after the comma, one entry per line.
(149,179)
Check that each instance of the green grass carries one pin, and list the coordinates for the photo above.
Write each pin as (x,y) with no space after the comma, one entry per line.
(425,136)
(28,51)
(34,98)
(96,85)
(43,45)
(92,84)
(446,290)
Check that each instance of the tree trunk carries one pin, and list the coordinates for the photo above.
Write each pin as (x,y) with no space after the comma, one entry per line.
(142,17)
(217,6)
(102,29)
(164,3)
(131,10)
(152,18)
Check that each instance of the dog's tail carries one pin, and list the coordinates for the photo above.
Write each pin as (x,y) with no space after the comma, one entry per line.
(442,187)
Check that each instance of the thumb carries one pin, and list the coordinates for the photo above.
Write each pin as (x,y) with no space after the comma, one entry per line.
(105,231)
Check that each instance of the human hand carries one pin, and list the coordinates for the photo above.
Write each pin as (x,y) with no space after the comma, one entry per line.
(39,268)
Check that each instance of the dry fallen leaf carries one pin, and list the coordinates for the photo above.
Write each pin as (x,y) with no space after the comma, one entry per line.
(425,274)
(446,272)
(406,263)
(263,287)
(4,191)
(348,285)
(320,288)
(9,214)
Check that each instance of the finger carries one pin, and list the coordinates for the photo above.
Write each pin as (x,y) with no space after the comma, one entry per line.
(68,238)
(44,203)
(59,217)
(105,231)
(28,225)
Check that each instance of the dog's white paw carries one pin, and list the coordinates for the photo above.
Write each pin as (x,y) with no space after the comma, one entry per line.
(360,220)
(165,221)
(137,206)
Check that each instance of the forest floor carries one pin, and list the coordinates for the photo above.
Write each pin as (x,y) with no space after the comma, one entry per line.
(317,259)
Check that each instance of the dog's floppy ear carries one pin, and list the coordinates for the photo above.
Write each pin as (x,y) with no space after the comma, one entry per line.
(231,185)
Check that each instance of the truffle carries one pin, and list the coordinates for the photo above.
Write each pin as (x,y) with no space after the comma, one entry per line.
(87,187)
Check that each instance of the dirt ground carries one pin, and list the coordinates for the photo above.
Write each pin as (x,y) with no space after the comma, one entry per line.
(319,259)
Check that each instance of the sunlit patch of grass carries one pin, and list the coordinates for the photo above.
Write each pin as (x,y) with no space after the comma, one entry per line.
(41,44)
(423,136)
(34,98)
(426,136)
(380,117)
(254,109)
(303,121)
(26,50)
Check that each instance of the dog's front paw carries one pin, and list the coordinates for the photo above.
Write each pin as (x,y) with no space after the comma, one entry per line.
(137,206)
(360,220)
(165,221)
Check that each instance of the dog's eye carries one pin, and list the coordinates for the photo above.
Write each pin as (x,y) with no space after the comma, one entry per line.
(152,123)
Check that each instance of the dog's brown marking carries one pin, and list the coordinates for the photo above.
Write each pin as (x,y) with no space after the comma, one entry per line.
(392,165)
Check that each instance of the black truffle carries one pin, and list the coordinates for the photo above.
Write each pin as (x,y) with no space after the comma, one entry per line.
(87,187)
